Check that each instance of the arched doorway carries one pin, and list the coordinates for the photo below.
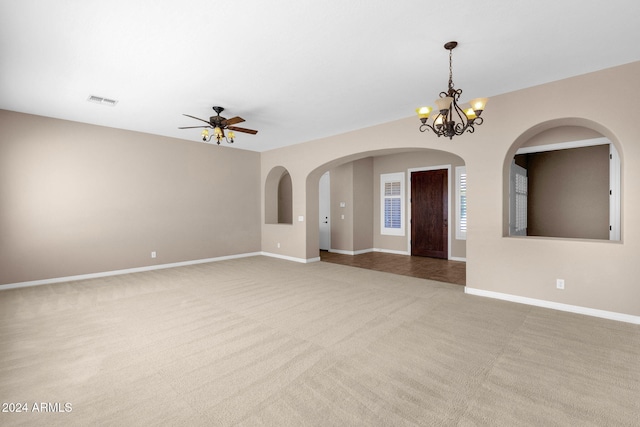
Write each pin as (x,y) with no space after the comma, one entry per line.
(358,204)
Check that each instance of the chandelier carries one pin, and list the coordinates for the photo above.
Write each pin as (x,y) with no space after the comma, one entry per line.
(450,119)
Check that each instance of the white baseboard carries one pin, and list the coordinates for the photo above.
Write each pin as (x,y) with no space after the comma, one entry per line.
(290,258)
(389,251)
(341,252)
(611,315)
(358,252)
(124,271)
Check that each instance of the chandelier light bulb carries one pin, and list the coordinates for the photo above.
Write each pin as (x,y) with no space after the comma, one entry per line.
(424,112)
(478,104)
(470,113)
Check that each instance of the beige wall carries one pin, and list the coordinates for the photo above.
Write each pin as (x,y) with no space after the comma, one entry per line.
(352,184)
(363,207)
(598,274)
(342,191)
(560,135)
(569,192)
(78,199)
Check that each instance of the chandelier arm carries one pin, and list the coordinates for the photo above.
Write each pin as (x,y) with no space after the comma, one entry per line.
(425,126)
(455,107)
(229,141)
(438,130)
(461,127)
(470,126)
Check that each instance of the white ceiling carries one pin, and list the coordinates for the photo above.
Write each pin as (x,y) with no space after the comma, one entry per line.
(295,70)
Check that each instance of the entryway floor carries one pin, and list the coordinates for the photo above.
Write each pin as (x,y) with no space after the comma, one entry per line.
(425,268)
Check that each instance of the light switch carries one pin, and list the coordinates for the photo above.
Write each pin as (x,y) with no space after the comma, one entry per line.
(342,205)
(301,218)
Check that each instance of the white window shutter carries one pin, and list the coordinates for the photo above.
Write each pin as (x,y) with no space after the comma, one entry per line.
(392,204)
(461,202)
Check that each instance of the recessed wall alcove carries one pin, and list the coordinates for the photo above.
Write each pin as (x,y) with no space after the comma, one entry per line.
(278,197)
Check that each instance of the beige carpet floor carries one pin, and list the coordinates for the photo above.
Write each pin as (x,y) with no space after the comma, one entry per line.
(260,341)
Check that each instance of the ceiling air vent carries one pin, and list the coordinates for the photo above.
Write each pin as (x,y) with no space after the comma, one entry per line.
(101,100)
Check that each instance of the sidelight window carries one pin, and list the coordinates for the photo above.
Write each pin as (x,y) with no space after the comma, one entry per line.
(461,202)
(392,204)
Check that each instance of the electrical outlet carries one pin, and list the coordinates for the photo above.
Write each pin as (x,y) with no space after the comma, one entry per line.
(153,254)
(278,245)
(560,283)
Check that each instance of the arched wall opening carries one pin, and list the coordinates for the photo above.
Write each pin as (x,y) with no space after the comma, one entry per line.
(562,179)
(356,200)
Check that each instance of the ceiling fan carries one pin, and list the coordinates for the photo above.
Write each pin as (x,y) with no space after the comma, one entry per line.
(219,124)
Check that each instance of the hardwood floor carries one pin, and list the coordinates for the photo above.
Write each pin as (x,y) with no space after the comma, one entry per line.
(422,267)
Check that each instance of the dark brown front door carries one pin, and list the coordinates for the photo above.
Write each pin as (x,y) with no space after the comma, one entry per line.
(429,213)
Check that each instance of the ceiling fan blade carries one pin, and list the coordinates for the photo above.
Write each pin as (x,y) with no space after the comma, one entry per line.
(245,130)
(234,120)
(202,120)
(193,127)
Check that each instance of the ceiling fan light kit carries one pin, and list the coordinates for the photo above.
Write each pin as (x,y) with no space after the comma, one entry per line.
(447,111)
(219,124)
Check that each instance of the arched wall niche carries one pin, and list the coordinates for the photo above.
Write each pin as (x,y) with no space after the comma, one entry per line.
(278,200)
(285,200)
(553,132)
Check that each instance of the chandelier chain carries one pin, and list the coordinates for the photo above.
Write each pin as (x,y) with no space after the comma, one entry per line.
(450,70)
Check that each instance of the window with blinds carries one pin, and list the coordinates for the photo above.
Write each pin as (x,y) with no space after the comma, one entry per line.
(461,203)
(392,204)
